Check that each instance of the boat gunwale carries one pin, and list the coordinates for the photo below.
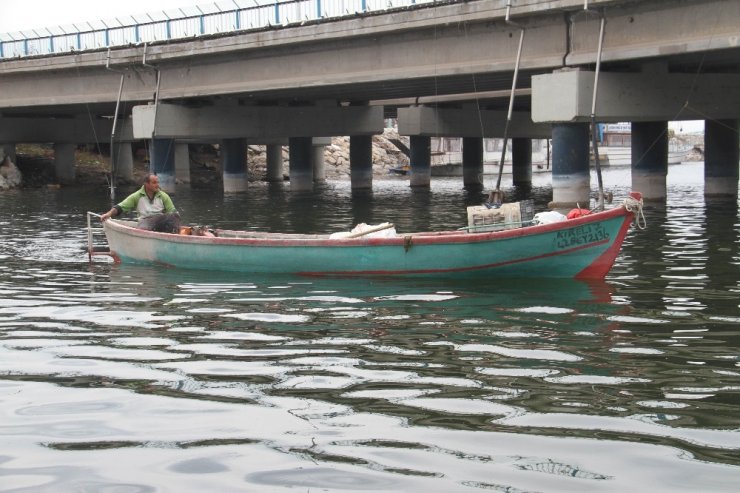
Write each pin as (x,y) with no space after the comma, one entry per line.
(418,238)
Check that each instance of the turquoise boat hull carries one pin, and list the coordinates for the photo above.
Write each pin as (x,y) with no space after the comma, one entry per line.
(581,248)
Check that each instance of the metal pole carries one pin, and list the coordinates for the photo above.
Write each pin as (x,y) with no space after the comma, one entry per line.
(497,196)
(594,140)
(113,130)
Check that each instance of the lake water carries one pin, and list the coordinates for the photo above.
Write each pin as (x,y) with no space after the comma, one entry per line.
(132,379)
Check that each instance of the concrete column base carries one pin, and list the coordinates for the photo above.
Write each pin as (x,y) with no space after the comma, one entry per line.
(721,156)
(167,182)
(235,182)
(301,181)
(421,178)
(472,163)
(163,163)
(652,186)
(64,163)
(317,159)
(569,191)
(361,162)
(123,158)
(421,161)
(720,187)
(182,164)
(274,163)
(521,166)
(301,168)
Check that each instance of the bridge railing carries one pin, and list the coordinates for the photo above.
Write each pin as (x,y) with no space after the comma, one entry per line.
(188,22)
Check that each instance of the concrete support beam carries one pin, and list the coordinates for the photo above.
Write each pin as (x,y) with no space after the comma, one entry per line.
(446,122)
(521,162)
(721,156)
(64,163)
(78,130)
(301,169)
(566,96)
(650,159)
(421,161)
(163,163)
(571,179)
(274,163)
(472,163)
(361,161)
(255,122)
(123,160)
(234,165)
(317,161)
(182,163)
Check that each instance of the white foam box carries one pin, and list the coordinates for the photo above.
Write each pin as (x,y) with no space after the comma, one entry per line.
(481,218)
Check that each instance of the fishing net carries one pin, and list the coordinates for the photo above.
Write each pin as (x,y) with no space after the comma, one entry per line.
(161,223)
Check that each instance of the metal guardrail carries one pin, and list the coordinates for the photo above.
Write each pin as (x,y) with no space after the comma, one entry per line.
(183,23)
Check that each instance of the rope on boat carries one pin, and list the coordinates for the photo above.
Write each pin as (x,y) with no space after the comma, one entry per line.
(635,206)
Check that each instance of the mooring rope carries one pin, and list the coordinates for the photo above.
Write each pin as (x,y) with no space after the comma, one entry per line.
(635,206)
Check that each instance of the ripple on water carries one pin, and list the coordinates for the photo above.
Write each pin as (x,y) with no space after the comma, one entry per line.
(543,354)
(269,317)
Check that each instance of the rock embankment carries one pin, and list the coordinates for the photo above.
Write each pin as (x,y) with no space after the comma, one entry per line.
(10,175)
(386,155)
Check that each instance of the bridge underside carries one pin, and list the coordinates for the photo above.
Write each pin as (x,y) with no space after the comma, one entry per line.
(442,70)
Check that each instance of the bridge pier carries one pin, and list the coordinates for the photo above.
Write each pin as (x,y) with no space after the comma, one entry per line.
(317,160)
(421,161)
(182,164)
(274,162)
(163,163)
(124,160)
(650,159)
(234,165)
(472,163)
(64,163)
(361,161)
(571,179)
(721,157)
(521,162)
(301,168)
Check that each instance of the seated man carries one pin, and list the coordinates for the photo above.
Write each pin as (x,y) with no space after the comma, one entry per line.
(154,207)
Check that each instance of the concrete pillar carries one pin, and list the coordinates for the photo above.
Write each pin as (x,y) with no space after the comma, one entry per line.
(317,161)
(421,161)
(721,157)
(182,163)
(64,163)
(163,163)
(301,169)
(571,180)
(361,161)
(8,150)
(521,162)
(123,160)
(472,163)
(650,159)
(234,165)
(274,162)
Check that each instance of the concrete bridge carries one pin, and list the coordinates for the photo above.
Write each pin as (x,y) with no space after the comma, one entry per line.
(441,69)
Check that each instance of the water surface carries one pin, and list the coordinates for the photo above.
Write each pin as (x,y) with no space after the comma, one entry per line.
(137,379)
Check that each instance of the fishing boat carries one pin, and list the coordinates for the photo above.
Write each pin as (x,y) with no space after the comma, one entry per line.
(583,248)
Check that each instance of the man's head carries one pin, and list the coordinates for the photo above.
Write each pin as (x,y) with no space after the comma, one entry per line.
(151,184)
